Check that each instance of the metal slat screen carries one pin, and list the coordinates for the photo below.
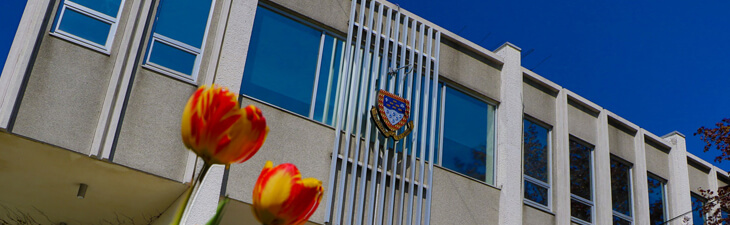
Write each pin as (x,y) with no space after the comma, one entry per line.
(374,179)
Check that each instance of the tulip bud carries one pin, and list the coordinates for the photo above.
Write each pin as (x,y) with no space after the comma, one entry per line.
(218,130)
(282,197)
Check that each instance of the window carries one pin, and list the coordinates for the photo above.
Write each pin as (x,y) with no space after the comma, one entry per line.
(300,75)
(621,192)
(581,182)
(656,199)
(468,135)
(91,23)
(178,38)
(698,217)
(536,155)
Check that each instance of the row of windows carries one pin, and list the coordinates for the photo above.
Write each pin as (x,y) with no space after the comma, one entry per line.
(302,77)
(537,182)
(175,44)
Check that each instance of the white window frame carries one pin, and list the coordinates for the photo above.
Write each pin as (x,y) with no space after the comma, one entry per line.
(534,181)
(198,52)
(113,21)
(593,187)
(631,192)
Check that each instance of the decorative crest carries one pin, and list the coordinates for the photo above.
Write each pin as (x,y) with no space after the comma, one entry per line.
(391,114)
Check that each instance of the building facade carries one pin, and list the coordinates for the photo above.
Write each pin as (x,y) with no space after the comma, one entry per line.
(92,93)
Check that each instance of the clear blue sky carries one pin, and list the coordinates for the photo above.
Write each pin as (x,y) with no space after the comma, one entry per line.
(661,65)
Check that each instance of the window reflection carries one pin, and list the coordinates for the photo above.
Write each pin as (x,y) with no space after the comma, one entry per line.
(620,188)
(536,162)
(698,217)
(656,200)
(581,181)
(468,135)
(536,193)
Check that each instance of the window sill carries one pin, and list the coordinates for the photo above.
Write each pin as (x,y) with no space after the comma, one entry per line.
(176,76)
(467,177)
(537,206)
(80,42)
(579,221)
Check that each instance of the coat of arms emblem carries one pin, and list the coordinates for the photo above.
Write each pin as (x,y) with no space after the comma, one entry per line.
(391,114)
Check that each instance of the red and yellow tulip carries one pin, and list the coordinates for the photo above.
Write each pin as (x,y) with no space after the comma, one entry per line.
(282,197)
(218,130)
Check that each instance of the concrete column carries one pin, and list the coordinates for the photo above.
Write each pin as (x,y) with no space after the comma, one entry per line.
(203,202)
(509,136)
(602,173)
(679,200)
(640,183)
(234,48)
(19,56)
(561,161)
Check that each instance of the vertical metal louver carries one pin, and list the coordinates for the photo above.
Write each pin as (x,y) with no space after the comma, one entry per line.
(373,179)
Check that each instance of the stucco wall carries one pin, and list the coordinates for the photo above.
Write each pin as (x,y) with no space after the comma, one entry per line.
(333,14)
(459,65)
(65,91)
(621,143)
(460,200)
(533,216)
(657,161)
(697,179)
(538,103)
(291,139)
(581,123)
(149,138)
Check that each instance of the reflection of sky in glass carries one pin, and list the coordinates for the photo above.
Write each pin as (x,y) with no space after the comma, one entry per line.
(10,13)
(724,214)
(85,27)
(281,62)
(698,217)
(620,187)
(328,80)
(173,58)
(536,193)
(108,7)
(656,201)
(535,139)
(417,123)
(465,147)
(580,170)
(580,210)
(183,20)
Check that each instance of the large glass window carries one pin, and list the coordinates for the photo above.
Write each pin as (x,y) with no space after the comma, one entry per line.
(297,74)
(581,182)
(178,37)
(656,199)
(536,155)
(468,135)
(91,23)
(621,192)
(698,217)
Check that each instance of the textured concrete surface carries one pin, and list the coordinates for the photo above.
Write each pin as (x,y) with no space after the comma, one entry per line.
(640,186)
(331,13)
(455,196)
(234,49)
(509,131)
(582,125)
(538,103)
(657,161)
(63,99)
(621,143)
(678,188)
(291,139)
(204,202)
(561,161)
(697,179)
(477,73)
(533,216)
(149,138)
(602,172)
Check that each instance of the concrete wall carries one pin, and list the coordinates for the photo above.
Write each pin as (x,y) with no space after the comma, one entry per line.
(65,91)
(698,178)
(582,122)
(459,65)
(460,200)
(533,216)
(539,102)
(291,139)
(621,142)
(657,161)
